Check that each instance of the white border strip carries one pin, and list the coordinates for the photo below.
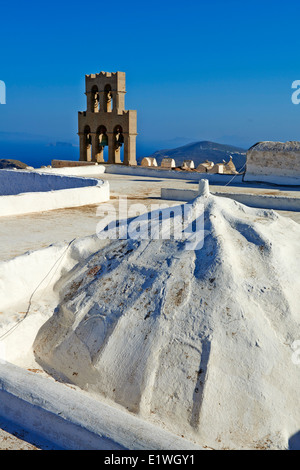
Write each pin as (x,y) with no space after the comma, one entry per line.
(72,420)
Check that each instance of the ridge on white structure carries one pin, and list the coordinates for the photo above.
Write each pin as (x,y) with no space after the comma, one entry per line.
(183,318)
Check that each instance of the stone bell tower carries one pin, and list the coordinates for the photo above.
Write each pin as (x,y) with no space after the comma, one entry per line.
(105,121)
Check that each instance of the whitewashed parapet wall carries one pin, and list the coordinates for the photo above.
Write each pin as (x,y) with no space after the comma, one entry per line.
(274,162)
(23,192)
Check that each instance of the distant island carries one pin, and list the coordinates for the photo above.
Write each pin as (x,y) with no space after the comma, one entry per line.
(62,145)
(199,152)
(9,164)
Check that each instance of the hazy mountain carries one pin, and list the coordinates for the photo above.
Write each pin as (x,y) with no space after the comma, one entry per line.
(201,151)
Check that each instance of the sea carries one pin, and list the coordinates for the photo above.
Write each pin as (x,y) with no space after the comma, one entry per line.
(39,153)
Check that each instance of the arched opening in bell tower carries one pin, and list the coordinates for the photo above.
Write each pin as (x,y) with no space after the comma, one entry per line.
(88,143)
(103,143)
(108,99)
(119,144)
(95,102)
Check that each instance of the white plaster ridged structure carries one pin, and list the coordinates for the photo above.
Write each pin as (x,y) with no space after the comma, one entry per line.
(149,162)
(217,168)
(168,163)
(205,166)
(188,165)
(172,335)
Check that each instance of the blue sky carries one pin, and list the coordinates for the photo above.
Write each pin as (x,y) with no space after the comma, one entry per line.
(196,70)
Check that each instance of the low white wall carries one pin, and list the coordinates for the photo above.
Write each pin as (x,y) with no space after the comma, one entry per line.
(14,182)
(152,172)
(73,420)
(88,170)
(173,174)
(259,201)
(42,192)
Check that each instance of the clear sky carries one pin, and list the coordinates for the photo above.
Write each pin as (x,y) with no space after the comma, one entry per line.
(196,70)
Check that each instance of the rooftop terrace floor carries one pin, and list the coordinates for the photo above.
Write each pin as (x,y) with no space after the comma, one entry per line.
(19,234)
